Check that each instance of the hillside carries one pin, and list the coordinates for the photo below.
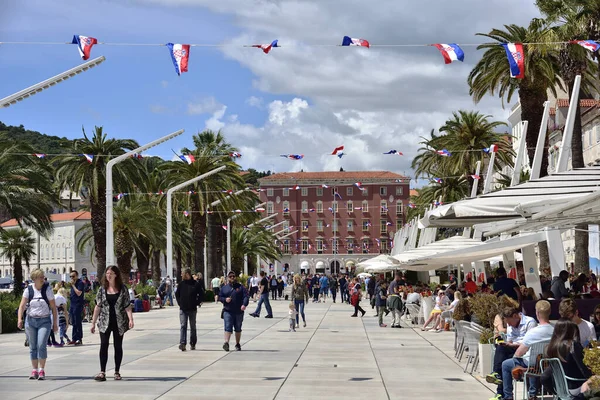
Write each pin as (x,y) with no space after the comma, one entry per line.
(40,142)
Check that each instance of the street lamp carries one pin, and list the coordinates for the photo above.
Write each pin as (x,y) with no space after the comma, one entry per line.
(30,91)
(229,236)
(110,240)
(252,224)
(170,212)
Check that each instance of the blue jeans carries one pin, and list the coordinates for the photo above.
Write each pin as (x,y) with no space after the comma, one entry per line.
(183,322)
(264,298)
(299,304)
(75,318)
(168,296)
(38,332)
(233,321)
(507,379)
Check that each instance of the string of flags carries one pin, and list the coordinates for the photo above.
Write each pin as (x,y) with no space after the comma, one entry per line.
(180,53)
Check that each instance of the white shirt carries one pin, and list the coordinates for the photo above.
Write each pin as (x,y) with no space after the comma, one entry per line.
(587,332)
(215,282)
(38,307)
(60,301)
(292,313)
(413,298)
(254,281)
(131,294)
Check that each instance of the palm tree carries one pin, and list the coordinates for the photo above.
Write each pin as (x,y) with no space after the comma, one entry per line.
(18,245)
(252,242)
(491,75)
(77,174)
(26,191)
(211,152)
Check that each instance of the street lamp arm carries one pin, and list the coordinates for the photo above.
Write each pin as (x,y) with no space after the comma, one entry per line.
(265,219)
(144,148)
(193,180)
(289,234)
(217,202)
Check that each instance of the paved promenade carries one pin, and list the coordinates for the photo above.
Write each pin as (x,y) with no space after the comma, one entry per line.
(334,357)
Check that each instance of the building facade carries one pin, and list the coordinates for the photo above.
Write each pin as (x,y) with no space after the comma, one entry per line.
(327,222)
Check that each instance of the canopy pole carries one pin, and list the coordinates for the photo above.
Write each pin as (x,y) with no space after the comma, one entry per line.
(487,186)
(530,267)
(565,149)
(476,180)
(516,177)
(539,148)
(556,251)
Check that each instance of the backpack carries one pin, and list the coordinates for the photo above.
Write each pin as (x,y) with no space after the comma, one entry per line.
(43,290)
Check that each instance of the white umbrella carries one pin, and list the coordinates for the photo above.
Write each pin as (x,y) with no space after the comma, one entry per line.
(363,274)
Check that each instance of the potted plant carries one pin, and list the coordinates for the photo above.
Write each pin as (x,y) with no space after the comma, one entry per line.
(486,352)
(591,358)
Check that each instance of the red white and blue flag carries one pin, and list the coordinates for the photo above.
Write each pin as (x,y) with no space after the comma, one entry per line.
(444,153)
(297,187)
(359,185)
(492,149)
(516,59)
(293,156)
(266,48)
(39,155)
(259,209)
(475,177)
(186,214)
(89,157)
(336,150)
(450,52)
(180,54)
(188,158)
(324,186)
(137,156)
(588,45)
(235,154)
(348,41)
(437,180)
(120,196)
(394,152)
(84,45)
(411,205)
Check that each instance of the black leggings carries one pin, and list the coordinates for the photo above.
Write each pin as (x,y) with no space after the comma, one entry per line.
(358,308)
(118,345)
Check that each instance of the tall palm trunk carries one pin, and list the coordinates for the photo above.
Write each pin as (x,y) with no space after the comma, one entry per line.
(198,233)
(18,269)
(188,260)
(123,252)
(142,255)
(178,264)
(156,272)
(212,251)
(98,211)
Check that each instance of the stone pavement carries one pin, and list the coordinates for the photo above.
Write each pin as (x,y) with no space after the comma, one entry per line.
(334,357)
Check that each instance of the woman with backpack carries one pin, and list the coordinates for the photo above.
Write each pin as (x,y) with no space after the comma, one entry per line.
(355,297)
(40,300)
(114,315)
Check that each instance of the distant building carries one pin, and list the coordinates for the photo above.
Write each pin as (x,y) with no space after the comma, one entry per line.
(327,222)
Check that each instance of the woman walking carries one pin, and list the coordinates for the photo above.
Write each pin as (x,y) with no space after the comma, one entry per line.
(40,297)
(300,298)
(114,311)
(355,296)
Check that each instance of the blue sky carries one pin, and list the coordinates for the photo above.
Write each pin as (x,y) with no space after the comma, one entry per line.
(297,99)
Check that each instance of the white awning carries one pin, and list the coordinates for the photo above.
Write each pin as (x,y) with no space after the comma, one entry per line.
(517,202)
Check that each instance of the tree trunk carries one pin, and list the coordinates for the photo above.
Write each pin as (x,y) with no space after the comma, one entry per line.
(156,272)
(532,109)
(198,233)
(178,264)
(124,264)
(18,269)
(142,255)
(212,243)
(188,260)
(98,211)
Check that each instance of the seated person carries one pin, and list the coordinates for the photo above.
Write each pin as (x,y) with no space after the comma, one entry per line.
(414,297)
(518,325)
(540,333)
(595,319)
(440,301)
(568,310)
(446,317)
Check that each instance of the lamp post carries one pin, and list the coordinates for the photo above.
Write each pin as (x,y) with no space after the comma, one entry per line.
(229,236)
(252,224)
(170,212)
(110,240)
(39,87)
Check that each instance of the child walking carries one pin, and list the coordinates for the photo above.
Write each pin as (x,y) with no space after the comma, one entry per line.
(63,316)
(292,317)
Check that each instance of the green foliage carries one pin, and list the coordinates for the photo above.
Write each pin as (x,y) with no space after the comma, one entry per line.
(145,289)
(9,303)
(209,296)
(486,336)
(91,298)
(462,311)
(485,307)
(252,176)
(39,142)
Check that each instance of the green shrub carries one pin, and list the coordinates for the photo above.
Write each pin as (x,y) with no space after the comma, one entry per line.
(9,303)
(91,297)
(145,289)
(209,296)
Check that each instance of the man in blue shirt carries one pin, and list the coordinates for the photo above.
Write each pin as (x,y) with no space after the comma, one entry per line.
(76,308)
(507,286)
(234,297)
(324,287)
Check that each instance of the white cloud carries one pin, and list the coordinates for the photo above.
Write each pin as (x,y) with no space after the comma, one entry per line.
(280,112)
(204,106)
(214,123)
(254,101)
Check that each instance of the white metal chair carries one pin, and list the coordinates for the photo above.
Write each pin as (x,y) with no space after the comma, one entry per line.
(533,368)
(472,337)
(460,339)
(414,311)
(561,387)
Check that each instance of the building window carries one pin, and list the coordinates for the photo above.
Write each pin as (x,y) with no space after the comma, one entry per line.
(52,252)
(286,226)
(399,206)
(304,246)
(383,208)
(270,207)
(304,226)
(350,206)
(334,205)
(383,191)
(334,246)
(399,191)
(384,245)
(270,192)
(365,206)
(320,191)
(319,225)
(320,207)
(383,226)
(304,206)
(319,246)
(349,191)
(304,191)
(350,225)
(286,246)
(286,208)
(365,246)
(366,224)
(350,246)
(398,225)
(286,192)
(365,191)
(334,226)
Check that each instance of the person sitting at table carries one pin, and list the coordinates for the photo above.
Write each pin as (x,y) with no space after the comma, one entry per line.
(507,286)
(568,310)
(579,285)
(440,302)
(558,285)
(518,324)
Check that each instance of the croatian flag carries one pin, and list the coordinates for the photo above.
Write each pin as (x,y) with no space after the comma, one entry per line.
(38,155)
(230,191)
(84,45)
(235,154)
(312,210)
(186,214)
(341,154)
(259,209)
(266,48)
(339,196)
(89,157)
(297,187)
(444,153)
(475,176)
(348,41)
(516,59)
(180,54)
(451,52)
(492,149)
(411,205)
(120,196)
(325,186)
(359,185)
(137,156)
(588,44)
(188,158)
(394,152)
(437,180)
(293,156)
(336,150)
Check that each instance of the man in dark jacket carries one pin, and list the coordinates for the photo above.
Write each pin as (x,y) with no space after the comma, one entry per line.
(234,297)
(189,295)
(558,285)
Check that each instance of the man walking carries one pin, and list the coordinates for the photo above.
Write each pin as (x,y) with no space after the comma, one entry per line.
(168,291)
(324,287)
(264,297)
(333,285)
(76,308)
(189,294)
(215,284)
(234,297)
(394,301)
(344,288)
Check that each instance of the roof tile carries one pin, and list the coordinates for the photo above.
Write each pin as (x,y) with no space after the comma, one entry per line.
(330,175)
(69,216)
(586,103)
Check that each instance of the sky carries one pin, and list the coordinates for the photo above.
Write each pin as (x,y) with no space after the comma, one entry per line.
(302,98)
